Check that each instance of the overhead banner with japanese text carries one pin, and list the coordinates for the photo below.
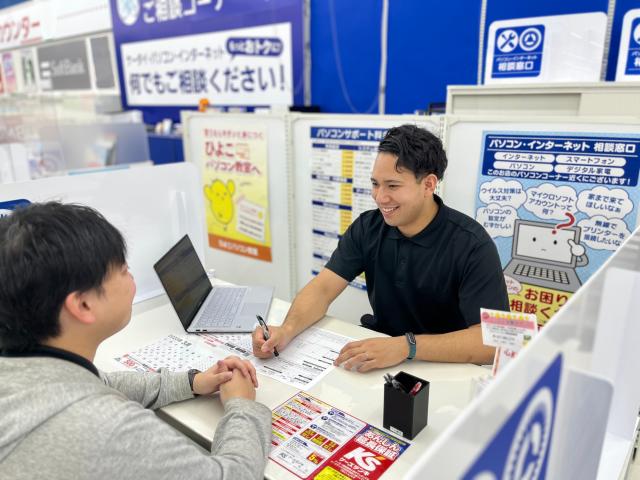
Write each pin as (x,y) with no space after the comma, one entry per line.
(171,54)
(248,66)
(556,205)
(233,159)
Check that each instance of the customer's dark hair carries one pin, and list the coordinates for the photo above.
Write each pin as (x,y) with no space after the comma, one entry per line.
(47,251)
(417,149)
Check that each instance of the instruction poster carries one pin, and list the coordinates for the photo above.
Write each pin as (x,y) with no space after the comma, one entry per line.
(341,163)
(557,206)
(313,440)
(234,171)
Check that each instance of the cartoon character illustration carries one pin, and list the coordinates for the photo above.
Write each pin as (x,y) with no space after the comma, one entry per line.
(545,255)
(220,201)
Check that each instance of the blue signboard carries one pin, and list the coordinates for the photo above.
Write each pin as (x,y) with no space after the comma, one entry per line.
(556,205)
(518,51)
(566,158)
(7,207)
(172,53)
(521,447)
(633,57)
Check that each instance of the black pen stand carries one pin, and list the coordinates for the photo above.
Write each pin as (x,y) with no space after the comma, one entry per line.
(406,414)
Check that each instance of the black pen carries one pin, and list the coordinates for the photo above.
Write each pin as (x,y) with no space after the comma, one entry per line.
(265,333)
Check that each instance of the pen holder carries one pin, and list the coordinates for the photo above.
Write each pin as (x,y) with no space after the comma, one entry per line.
(406,414)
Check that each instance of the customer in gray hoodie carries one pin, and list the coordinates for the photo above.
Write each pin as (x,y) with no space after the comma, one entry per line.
(64,288)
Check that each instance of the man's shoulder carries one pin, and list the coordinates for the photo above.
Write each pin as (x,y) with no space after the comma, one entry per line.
(465,225)
(367,223)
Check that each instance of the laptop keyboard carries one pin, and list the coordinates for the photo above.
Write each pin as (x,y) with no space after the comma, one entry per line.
(530,271)
(222,307)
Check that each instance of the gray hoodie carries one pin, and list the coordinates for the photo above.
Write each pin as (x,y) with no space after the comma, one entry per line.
(58,420)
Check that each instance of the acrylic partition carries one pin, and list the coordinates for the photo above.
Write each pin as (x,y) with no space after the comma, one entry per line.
(44,136)
(154,206)
(568,404)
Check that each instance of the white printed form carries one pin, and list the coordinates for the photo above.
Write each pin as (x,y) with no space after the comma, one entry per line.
(177,354)
(307,359)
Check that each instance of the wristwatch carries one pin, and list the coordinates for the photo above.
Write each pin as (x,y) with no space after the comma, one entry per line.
(191,374)
(411,340)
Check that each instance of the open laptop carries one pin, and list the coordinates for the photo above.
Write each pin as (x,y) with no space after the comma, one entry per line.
(202,307)
(543,258)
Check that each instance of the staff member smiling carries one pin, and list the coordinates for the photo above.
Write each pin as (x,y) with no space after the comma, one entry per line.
(429,269)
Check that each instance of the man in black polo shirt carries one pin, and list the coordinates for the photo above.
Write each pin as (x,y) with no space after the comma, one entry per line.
(429,268)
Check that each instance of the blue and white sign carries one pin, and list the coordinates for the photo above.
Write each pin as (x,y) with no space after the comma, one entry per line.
(248,66)
(628,66)
(546,49)
(9,206)
(556,205)
(518,51)
(172,53)
(633,55)
(520,449)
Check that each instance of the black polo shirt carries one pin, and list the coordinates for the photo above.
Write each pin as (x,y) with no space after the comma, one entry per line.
(433,282)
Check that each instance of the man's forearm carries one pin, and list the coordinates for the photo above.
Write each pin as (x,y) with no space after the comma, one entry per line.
(307,308)
(462,346)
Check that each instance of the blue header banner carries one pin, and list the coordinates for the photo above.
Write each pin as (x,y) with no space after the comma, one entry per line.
(237,37)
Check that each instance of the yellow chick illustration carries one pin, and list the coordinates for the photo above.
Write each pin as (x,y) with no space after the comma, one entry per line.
(220,201)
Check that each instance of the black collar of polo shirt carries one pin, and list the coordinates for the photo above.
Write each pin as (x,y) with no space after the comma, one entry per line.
(45,351)
(424,237)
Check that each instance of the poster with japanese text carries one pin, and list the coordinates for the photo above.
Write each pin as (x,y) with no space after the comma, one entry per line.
(341,163)
(313,440)
(9,72)
(247,66)
(556,205)
(233,53)
(234,172)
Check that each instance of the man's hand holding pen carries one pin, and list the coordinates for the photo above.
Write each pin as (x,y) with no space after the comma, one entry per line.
(266,346)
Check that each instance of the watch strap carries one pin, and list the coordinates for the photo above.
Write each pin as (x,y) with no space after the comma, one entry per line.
(191,374)
(411,340)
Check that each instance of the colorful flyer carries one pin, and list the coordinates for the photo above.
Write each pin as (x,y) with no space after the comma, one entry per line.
(556,205)
(313,440)
(234,170)
(508,331)
(511,330)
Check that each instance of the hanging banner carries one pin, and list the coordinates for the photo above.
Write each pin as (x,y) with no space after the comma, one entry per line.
(556,205)
(234,171)
(242,53)
(248,66)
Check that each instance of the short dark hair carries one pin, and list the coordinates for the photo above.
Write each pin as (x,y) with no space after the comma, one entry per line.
(47,251)
(417,149)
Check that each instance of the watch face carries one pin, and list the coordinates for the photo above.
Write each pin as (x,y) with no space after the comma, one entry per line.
(411,338)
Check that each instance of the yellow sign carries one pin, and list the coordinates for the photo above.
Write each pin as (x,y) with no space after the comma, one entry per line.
(542,302)
(236,190)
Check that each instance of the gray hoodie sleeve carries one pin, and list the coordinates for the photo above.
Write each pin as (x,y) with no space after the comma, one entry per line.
(152,390)
(141,447)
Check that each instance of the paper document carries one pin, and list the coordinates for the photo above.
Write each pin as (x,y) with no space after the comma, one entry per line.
(314,440)
(175,353)
(307,359)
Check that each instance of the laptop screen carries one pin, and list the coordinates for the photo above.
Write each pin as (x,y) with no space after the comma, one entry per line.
(537,241)
(184,279)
